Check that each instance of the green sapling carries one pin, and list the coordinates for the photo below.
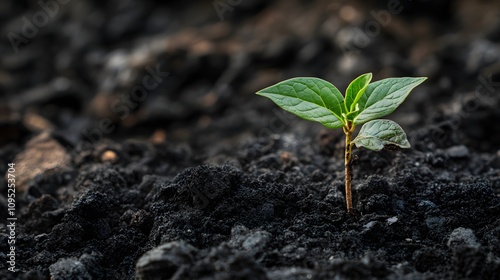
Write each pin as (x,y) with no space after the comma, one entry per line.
(364,102)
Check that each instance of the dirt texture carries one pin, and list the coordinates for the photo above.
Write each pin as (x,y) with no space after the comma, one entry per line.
(142,152)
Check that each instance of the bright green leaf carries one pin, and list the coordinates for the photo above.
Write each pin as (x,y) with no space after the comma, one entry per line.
(383,97)
(355,90)
(309,98)
(374,135)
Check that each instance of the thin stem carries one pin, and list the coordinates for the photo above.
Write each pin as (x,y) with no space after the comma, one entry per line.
(348,129)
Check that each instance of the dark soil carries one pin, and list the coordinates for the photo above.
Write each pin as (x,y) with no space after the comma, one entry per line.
(199,178)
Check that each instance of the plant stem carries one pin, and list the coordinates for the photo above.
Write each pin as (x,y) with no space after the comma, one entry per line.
(348,129)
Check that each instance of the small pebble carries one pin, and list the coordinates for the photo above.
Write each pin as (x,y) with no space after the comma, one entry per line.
(109,156)
(435,223)
(392,220)
(163,261)
(426,205)
(158,137)
(69,269)
(462,236)
(459,151)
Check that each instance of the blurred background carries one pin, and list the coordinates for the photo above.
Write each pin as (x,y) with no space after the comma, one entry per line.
(185,73)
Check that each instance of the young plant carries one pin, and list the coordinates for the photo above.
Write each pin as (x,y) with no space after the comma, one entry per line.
(364,102)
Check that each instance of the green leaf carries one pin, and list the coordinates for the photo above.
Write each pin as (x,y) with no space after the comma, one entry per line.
(374,135)
(355,90)
(383,97)
(309,98)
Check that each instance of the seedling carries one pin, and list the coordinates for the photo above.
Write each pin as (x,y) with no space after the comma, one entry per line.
(317,100)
